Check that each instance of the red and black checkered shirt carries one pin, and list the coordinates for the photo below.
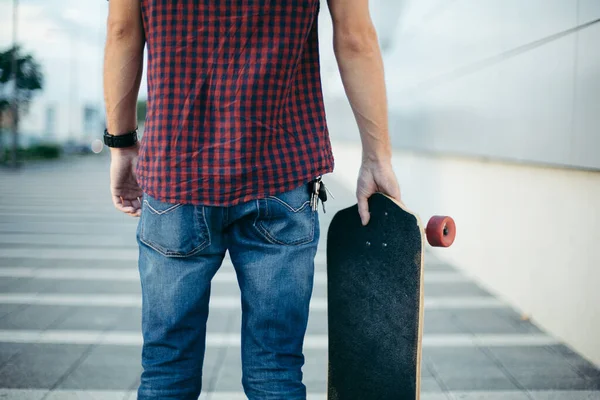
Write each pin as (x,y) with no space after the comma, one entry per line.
(235,106)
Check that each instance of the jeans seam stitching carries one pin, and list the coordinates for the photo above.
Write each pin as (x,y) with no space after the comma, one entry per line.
(158,212)
(294,210)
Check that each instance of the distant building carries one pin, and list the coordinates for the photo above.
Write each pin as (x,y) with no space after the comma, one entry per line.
(50,122)
(92,122)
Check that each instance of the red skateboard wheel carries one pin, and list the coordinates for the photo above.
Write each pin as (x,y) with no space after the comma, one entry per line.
(440,231)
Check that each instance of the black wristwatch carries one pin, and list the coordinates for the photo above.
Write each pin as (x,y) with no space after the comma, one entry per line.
(128,139)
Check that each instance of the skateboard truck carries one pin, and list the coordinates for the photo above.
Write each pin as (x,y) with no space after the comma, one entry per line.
(440,231)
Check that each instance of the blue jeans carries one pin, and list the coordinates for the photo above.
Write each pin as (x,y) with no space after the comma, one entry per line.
(272,243)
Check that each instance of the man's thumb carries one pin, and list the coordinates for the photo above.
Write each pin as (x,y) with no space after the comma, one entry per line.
(363,210)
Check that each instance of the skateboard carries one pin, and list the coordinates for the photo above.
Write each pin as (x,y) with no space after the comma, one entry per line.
(375,300)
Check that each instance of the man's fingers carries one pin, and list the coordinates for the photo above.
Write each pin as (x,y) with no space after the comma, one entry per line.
(137,203)
(363,209)
(130,207)
(395,193)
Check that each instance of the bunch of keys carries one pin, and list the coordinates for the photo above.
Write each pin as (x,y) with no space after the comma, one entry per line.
(318,191)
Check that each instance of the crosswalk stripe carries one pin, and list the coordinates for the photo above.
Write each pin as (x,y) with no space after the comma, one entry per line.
(120,338)
(86,253)
(38,394)
(218,302)
(132,275)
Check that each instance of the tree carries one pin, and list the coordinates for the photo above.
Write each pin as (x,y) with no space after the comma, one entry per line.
(29,79)
(141,111)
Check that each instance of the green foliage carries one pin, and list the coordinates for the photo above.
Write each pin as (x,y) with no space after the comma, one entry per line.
(37,152)
(141,110)
(29,78)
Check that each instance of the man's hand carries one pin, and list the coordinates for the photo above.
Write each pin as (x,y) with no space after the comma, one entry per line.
(375,176)
(126,193)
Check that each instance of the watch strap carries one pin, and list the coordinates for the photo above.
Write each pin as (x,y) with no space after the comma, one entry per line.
(128,139)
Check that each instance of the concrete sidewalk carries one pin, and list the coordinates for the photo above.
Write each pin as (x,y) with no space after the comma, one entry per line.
(70,309)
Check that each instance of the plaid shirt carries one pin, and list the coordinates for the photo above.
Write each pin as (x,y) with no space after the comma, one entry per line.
(235,106)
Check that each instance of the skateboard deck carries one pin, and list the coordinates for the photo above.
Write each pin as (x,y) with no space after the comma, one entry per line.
(375,303)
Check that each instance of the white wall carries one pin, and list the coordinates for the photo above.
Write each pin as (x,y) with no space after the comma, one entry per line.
(528,234)
(464,78)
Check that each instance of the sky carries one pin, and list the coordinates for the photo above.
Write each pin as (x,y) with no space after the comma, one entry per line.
(67,38)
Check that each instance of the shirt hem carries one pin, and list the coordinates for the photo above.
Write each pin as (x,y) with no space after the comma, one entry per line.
(288,186)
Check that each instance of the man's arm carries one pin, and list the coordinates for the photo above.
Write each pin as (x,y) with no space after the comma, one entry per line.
(123,64)
(123,67)
(361,66)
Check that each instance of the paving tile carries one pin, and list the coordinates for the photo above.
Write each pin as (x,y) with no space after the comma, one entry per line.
(222,321)
(6,309)
(441,321)
(496,321)
(90,318)
(571,395)
(581,365)
(66,263)
(34,317)
(527,357)
(434,396)
(96,287)
(465,372)
(455,358)
(317,326)
(557,382)
(130,319)
(489,395)
(60,227)
(86,395)
(430,384)
(457,289)
(229,379)
(107,355)
(132,395)
(316,386)
(26,285)
(23,394)
(9,350)
(94,376)
(319,291)
(39,366)
(425,371)
(478,383)
(8,283)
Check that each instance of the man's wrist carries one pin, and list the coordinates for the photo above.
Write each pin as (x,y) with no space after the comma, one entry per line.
(125,151)
(377,157)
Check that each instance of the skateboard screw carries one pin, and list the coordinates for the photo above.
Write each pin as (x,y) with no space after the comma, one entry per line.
(368,244)
(384,244)
(385,213)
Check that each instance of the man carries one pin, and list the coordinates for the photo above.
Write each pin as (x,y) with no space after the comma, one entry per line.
(235,132)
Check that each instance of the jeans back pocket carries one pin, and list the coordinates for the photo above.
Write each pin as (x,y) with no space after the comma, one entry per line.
(173,229)
(287,218)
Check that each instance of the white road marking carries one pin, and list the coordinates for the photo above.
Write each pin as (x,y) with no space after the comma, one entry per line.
(319,342)
(38,394)
(132,275)
(216,302)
